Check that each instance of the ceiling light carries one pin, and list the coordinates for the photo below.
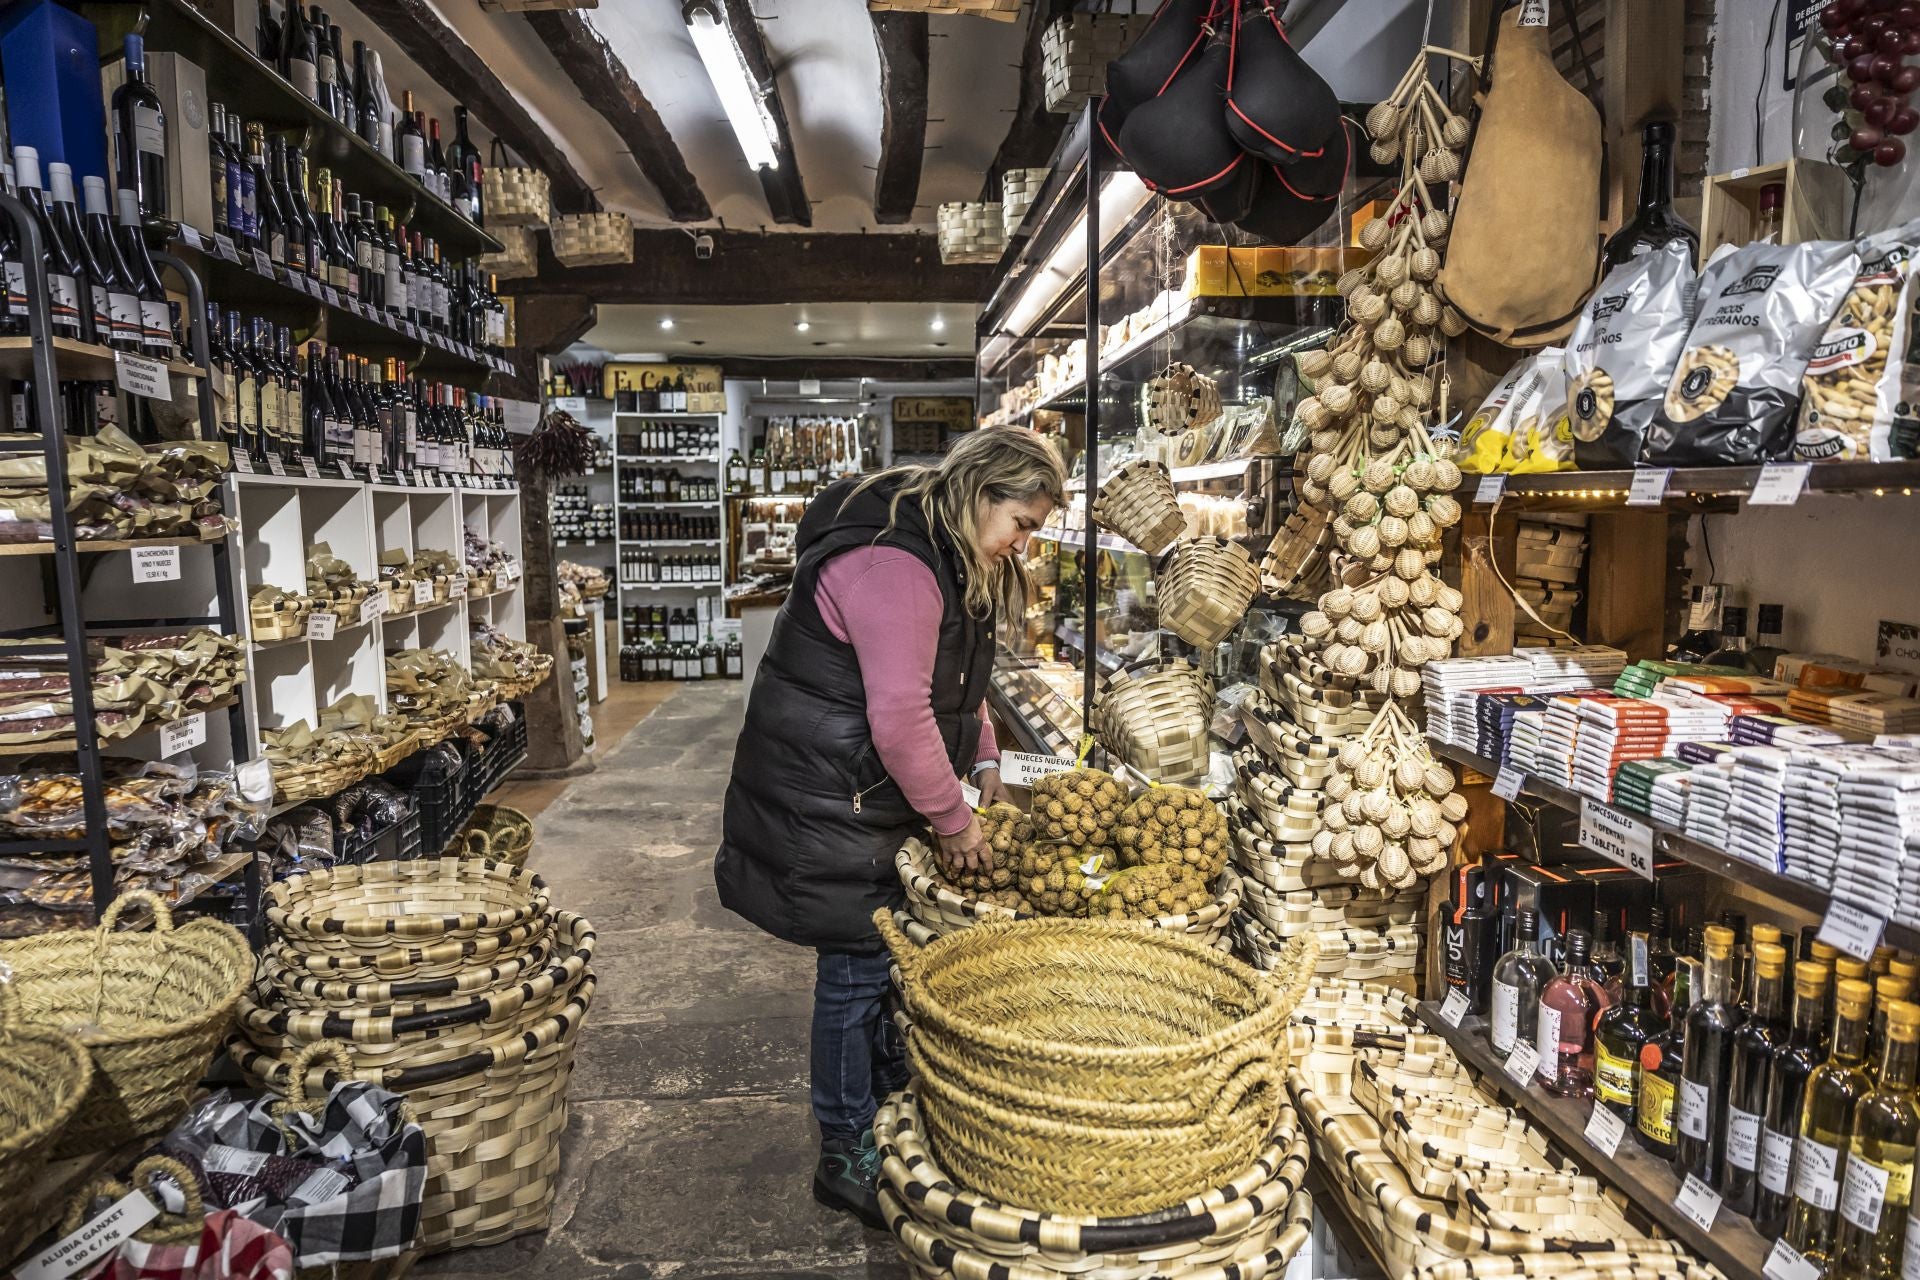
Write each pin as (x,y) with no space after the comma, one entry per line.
(666,322)
(939,325)
(740,97)
(801,326)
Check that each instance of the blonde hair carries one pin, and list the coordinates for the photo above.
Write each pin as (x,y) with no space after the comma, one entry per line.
(994,464)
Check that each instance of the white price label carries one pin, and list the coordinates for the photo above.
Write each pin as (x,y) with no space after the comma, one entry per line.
(1454,1008)
(1508,783)
(221,1158)
(501,579)
(92,1241)
(1851,929)
(1605,1129)
(513,571)
(373,606)
(971,794)
(320,624)
(332,296)
(299,282)
(243,463)
(311,467)
(1608,831)
(223,245)
(276,466)
(346,470)
(1780,484)
(183,735)
(1863,1193)
(575,405)
(1533,13)
(1785,1263)
(320,1185)
(1022,768)
(1490,490)
(190,236)
(156,564)
(140,377)
(457,586)
(1522,1062)
(423,592)
(1649,488)
(1698,1203)
(263,264)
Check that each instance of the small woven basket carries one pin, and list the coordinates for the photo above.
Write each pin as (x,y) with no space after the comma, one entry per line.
(150,1006)
(1018,187)
(361,912)
(519,253)
(1138,502)
(498,832)
(43,1076)
(592,239)
(1156,718)
(516,196)
(1180,399)
(1296,559)
(1206,588)
(405,962)
(970,232)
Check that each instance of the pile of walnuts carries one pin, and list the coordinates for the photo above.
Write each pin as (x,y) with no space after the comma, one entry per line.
(1174,826)
(1079,806)
(1008,832)
(1144,892)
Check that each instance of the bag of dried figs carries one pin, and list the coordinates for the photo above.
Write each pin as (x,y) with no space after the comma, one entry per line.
(1622,352)
(1735,395)
(1854,383)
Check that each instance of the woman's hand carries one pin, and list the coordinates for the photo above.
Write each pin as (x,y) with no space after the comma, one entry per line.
(966,849)
(992,790)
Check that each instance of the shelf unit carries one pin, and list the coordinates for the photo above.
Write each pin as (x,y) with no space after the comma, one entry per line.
(673,594)
(1695,486)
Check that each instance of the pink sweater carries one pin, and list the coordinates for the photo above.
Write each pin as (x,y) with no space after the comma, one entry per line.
(886,604)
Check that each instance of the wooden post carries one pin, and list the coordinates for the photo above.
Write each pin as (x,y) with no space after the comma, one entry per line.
(1629,580)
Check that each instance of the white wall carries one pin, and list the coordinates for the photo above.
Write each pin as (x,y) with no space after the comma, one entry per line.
(1740,59)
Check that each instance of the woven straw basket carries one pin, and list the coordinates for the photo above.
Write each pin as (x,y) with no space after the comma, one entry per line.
(1018,187)
(592,239)
(1250,1225)
(155,1004)
(1180,399)
(500,833)
(1156,719)
(516,196)
(43,1076)
(970,232)
(519,256)
(363,912)
(1138,502)
(1206,588)
(1078,1067)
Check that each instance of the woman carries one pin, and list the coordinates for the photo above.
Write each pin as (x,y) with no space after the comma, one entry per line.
(865,714)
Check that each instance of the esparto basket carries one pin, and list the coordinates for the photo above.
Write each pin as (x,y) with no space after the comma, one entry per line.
(404,961)
(1163,1054)
(1138,502)
(44,1074)
(364,910)
(499,832)
(150,1006)
(1205,589)
(517,196)
(592,239)
(519,251)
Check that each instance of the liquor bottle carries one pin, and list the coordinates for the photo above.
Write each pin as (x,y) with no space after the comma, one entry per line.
(1518,978)
(1654,223)
(388,254)
(366,102)
(217,166)
(294,411)
(345,107)
(1769,229)
(1734,650)
(1660,1061)
(1768,651)
(1878,1188)
(116,280)
(410,142)
(299,241)
(1622,1031)
(156,316)
(70,269)
(1754,1046)
(440,178)
(273,391)
(324,81)
(1707,1064)
(346,271)
(1888,990)
(1826,1118)
(299,55)
(270,224)
(225,380)
(1570,1003)
(247,367)
(463,158)
(140,135)
(243,210)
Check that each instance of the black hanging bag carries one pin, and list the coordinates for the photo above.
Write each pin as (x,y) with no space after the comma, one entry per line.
(1278,107)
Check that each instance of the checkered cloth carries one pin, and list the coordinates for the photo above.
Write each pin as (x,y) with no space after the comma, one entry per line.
(342,1186)
(229,1248)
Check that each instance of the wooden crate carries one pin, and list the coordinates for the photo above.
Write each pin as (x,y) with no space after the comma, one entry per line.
(1816,206)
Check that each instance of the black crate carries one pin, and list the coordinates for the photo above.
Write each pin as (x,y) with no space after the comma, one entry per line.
(440,796)
(398,841)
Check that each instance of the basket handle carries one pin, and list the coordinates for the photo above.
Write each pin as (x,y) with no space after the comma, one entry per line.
(162,910)
(1245,1070)
(158,1166)
(80,1205)
(337,1055)
(475,836)
(905,953)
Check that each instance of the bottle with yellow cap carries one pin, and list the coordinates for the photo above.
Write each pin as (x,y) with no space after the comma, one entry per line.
(1888,990)
(1700,1110)
(1793,1062)
(1826,1121)
(1877,1189)
(1753,1048)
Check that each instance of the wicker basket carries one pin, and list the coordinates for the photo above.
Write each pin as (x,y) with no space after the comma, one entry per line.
(1648,1262)
(1205,589)
(1296,559)
(519,254)
(282,620)
(44,1074)
(1157,718)
(970,233)
(155,1004)
(405,962)
(1076,1067)
(292,988)
(500,833)
(362,912)
(1018,187)
(1138,502)
(493,1121)
(592,239)
(1075,50)
(1179,399)
(516,196)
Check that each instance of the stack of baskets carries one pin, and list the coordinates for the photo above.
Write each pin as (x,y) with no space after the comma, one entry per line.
(1138,502)
(1156,718)
(455,983)
(1065,1069)
(1205,589)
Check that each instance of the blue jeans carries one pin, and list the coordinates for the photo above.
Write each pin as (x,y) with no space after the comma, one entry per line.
(858,1054)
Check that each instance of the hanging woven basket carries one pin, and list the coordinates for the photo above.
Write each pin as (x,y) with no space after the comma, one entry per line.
(970,232)
(592,239)
(1205,590)
(516,196)
(1138,503)
(1018,187)
(1181,399)
(1156,719)
(518,255)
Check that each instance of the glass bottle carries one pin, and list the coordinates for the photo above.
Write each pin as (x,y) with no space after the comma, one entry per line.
(1621,1032)
(1769,650)
(1793,1062)
(410,142)
(1734,650)
(299,53)
(1887,991)
(1654,222)
(226,382)
(62,219)
(1768,229)
(116,278)
(1569,1004)
(1826,1118)
(366,104)
(270,224)
(1878,1187)
(469,187)
(156,317)
(325,83)
(243,198)
(345,107)
(1754,1047)
(1660,1060)
(247,371)
(1707,1063)
(140,135)
(1518,978)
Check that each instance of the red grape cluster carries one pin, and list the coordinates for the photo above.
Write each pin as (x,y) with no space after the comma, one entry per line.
(1872,40)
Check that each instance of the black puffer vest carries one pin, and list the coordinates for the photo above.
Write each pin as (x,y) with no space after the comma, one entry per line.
(812,819)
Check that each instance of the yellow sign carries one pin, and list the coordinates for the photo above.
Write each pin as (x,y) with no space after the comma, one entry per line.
(954,413)
(705,392)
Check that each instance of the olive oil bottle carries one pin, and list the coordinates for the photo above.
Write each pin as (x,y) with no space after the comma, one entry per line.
(1826,1120)
(1753,1049)
(1803,1052)
(1621,1032)
(1887,991)
(1878,1187)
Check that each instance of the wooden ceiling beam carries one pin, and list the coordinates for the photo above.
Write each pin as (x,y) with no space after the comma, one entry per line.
(1035,131)
(785,192)
(455,67)
(836,368)
(751,267)
(600,75)
(902,41)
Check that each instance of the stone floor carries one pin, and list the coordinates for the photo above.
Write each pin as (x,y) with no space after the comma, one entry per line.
(690,1145)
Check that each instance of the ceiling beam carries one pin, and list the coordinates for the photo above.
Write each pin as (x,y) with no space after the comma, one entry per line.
(597,71)
(751,267)
(1035,131)
(830,368)
(902,39)
(786,194)
(453,64)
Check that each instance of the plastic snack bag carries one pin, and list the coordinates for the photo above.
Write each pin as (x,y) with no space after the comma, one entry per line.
(1621,355)
(1542,435)
(1483,441)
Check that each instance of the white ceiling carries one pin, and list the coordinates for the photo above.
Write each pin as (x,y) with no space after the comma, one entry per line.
(834,329)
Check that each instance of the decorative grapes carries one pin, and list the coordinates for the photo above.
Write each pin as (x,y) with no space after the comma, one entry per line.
(1870,41)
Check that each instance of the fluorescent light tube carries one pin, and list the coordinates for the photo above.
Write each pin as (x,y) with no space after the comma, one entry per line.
(739,96)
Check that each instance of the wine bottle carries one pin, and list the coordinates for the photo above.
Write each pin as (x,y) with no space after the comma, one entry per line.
(156,314)
(298,55)
(1654,222)
(439,178)
(1622,1031)
(1754,1046)
(1878,1188)
(267,35)
(140,135)
(217,166)
(395,291)
(411,142)
(115,281)
(1660,1062)
(270,224)
(345,109)
(325,80)
(1826,1119)
(298,241)
(366,103)
(469,185)
(1793,1062)
(247,366)
(242,200)
(1707,1062)
(294,411)
(226,386)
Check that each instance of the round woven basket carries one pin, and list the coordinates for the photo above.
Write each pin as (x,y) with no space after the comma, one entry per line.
(1138,502)
(498,832)
(362,911)
(1205,589)
(43,1076)
(295,988)
(402,963)
(1087,1020)
(151,1007)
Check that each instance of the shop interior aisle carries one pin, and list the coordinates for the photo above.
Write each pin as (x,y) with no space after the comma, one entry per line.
(690,1143)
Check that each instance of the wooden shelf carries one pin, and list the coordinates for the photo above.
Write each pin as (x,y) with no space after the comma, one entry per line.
(103,545)
(82,361)
(1647,1181)
(1695,486)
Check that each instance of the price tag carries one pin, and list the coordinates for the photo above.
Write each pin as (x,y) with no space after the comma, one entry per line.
(1022,768)
(182,735)
(93,1241)
(501,579)
(243,463)
(1649,488)
(331,294)
(346,471)
(221,1158)
(373,606)
(1785,1263)
(1490,490)
(263,264)
(1698,1202)
(971,794)
(223,245)
(298,281)
(513,570)
(1780,484)
(156,564)
(320,624)
(1522,1062)
(311,467)
(276,466)
(141,377)
(1607,831)
(1508,783)
(422,592)
(1853,930)
(190,236)
(1454,1008)
(457,586)
(1605,1129)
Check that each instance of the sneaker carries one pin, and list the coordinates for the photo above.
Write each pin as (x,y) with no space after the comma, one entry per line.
(845,1177)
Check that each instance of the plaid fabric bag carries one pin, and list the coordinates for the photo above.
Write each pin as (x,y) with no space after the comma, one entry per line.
(229,1248)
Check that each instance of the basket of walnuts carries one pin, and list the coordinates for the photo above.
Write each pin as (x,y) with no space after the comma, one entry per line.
(1086,849)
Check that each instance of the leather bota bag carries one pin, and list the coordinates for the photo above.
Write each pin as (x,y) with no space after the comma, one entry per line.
(1524,251)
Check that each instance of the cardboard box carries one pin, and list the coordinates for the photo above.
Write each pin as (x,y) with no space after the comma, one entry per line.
(182,86)
(50,63)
